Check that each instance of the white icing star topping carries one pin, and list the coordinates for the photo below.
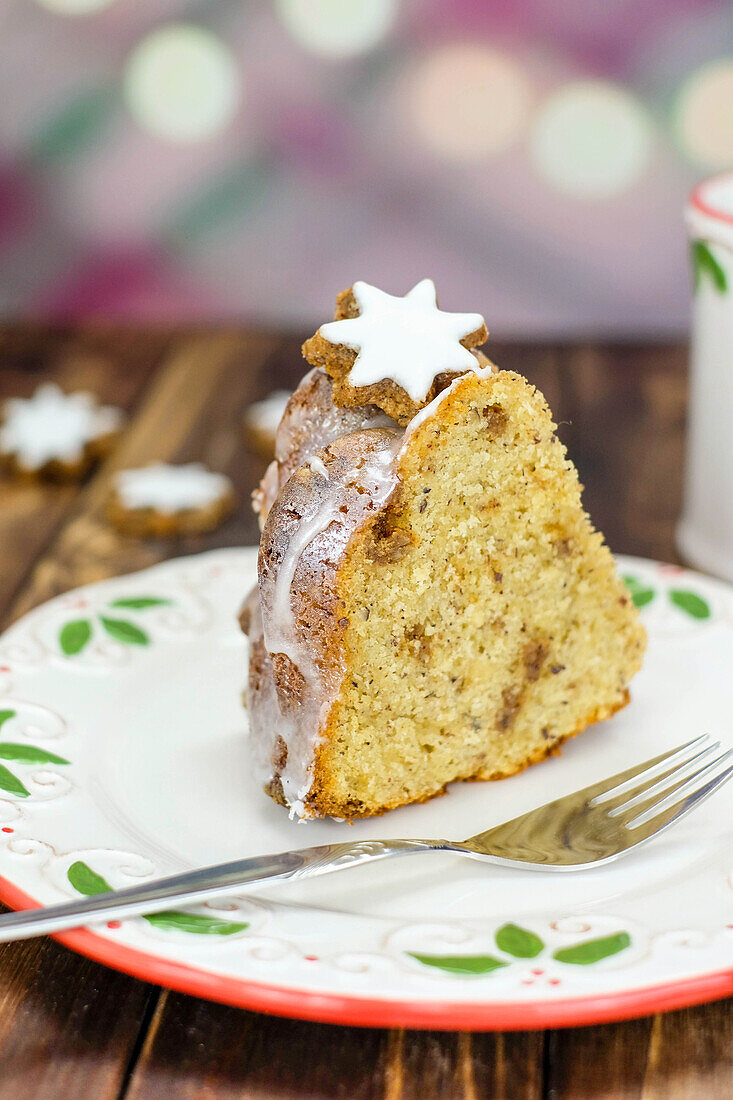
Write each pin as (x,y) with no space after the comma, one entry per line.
(406,340)
(54,425)
(170,489)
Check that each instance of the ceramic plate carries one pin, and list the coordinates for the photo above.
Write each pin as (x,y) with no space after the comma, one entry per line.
(123,755)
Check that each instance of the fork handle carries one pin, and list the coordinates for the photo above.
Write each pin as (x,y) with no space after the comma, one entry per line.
(208,882)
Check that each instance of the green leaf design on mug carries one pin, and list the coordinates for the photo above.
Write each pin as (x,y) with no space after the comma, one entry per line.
(640,592)
(691,603)
(74,636)
(519,942)
(28,754)
(11,783)
(592,951)
(704,264)
(199,923)
(123,631)
(85,880)
(88,882)
(5,715)
(140,603)
(461,964)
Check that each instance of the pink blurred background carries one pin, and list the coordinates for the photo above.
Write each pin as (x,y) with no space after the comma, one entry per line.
(172,160)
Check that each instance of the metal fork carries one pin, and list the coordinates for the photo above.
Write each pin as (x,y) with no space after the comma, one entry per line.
(584,829)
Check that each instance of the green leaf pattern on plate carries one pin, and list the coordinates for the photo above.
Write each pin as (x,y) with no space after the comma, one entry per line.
(690,603)
(21,754)
(200,923)
(28,754)
(592,951)
(640,592)
(76,634)
(85,880)
(461,964)
(705,265)
(140,603)
(88,882)
(123,631)
(11,784)
(520,943)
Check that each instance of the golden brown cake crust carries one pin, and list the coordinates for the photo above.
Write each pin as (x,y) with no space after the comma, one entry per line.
(150,523)
(337,360)
(60,470)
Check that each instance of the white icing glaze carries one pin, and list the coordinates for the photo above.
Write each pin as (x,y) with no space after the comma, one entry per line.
(406,340)
(264,416)
(322,533)
(54,425)
(170,489)
(365,488)
(311,421)
(318,466)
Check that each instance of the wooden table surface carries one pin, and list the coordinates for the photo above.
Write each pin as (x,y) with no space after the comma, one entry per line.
(71,1028)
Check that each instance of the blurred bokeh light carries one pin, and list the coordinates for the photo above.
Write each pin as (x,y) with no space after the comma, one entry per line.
(170,160)
(591,139)
(337,28)
(182,83)
(469,102)
(705,115)
(74,7)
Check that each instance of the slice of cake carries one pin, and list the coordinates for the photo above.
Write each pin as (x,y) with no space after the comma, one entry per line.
(433,602)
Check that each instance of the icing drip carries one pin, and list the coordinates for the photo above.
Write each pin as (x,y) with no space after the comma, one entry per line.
(317,466)
(52,425)
(364,489)
(171,489)
(320,538)
(405,340)
(310,422)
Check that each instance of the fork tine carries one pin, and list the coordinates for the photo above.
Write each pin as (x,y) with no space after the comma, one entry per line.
(639,814)
(634,777)
(661,820)
(660,782)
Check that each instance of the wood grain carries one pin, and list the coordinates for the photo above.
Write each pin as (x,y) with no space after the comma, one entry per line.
(113,365)
(68,1027)
(626,408)
(192,411)
(230,1054)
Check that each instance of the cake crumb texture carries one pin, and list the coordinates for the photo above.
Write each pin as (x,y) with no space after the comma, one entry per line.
(481,621)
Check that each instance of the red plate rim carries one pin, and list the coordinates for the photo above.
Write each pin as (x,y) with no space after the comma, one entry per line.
(698,202)
(332,1008)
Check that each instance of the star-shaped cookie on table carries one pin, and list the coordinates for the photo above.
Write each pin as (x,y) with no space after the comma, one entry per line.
(396,353)
(56,436)
(165,501)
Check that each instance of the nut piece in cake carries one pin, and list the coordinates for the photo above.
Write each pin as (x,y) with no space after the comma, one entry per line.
(167,501)
(395,353)
(56,436)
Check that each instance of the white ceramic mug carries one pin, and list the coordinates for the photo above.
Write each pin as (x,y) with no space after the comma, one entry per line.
(705,532)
